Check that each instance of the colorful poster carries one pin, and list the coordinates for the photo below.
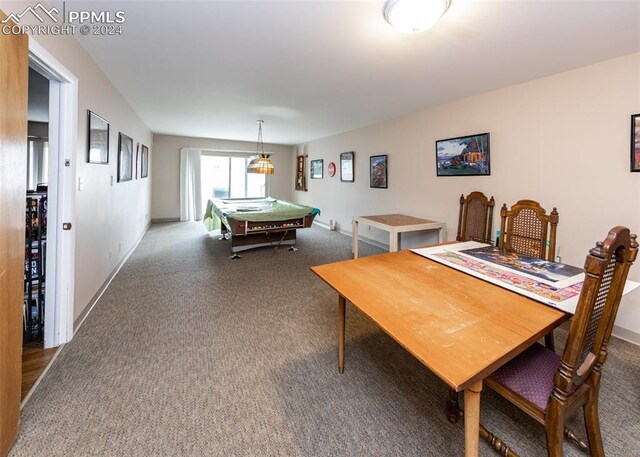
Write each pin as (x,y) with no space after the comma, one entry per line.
(551,273)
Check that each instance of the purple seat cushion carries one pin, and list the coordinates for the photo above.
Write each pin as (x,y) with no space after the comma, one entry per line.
(530,374)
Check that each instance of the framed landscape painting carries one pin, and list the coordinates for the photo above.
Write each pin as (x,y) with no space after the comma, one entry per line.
(378,171)
(317,167)
(463,156)
(125,157)
(635,142)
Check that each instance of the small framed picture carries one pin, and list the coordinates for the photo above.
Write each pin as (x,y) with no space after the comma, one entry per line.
(463,156)
(635,142)
(144,162)
(317,167)
(346,167)
(97,139)
(125,157)
(378,172)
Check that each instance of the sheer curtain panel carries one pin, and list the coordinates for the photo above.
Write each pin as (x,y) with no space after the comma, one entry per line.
(190,185)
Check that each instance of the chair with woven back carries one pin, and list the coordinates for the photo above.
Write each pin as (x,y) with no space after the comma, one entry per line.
(475,218)
(527,229)
(548,387)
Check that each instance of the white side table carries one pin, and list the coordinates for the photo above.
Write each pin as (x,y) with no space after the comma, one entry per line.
(395,224)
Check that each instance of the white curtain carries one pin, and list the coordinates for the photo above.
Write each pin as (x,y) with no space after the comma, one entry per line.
(190,185)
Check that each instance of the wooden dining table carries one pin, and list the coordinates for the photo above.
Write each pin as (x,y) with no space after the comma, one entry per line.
(460,327)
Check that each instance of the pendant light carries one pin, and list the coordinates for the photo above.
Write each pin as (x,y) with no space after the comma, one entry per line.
(261,164)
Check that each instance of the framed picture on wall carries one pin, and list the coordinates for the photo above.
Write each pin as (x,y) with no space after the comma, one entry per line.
(144,162)
(317,167)
(635,142)
(346,167)
(125,157)
(378,172)
(463,156)
(97,139)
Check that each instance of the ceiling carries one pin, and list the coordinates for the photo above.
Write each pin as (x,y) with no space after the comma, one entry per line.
(314,68)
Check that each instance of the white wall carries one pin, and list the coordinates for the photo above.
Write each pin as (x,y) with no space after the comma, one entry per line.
(108,218)
(563,140)
(166,169)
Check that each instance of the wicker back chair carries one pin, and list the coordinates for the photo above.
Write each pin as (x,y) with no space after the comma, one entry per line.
(476,218)
(549,387)
(524,229)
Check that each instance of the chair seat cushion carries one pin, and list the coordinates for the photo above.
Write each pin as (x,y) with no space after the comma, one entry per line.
(530,374)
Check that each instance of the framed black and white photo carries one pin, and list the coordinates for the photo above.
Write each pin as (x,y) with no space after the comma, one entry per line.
(125,157)
(317,167)
(463,156)
(97,139)
(346,167)
(144,162)
(378,171)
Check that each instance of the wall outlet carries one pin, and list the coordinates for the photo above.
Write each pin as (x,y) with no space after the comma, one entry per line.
(119,247)
(110,254)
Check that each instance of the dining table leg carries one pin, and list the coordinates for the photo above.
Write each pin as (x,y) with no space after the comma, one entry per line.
(472,419)
(342,317)
(354,239)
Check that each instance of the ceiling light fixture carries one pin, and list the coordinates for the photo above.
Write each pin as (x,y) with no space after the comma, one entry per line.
(413,16)
(261,164)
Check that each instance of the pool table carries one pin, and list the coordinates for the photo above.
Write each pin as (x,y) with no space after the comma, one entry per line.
(258,222)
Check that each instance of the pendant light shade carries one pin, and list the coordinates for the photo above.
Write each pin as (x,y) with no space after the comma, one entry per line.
(261,164)
(413,16)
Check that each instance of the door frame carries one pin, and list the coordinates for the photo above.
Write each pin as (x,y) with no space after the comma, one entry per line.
(63,127)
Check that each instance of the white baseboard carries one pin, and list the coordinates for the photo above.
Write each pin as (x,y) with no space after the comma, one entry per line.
(627,335)
(321,224)
(94,300)
(348,233)
(165,219)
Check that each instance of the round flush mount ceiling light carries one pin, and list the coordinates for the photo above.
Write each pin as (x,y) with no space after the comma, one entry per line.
(413,16)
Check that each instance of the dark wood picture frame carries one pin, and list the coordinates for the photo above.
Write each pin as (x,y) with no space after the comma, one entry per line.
(301,178)
(635,142)
(317,169)
(347,166)
(464,156)
(97,139)
(144,162)
(378,171)
(125,157)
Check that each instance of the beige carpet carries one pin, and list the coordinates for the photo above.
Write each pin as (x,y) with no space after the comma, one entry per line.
(190,353)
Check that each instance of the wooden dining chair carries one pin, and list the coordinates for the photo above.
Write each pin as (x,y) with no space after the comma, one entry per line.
(528,230)
(475,218)
(548,387)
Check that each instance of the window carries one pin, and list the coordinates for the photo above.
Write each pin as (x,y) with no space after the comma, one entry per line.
(37,163)
(224,175)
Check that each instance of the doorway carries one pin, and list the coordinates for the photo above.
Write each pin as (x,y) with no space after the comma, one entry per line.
(34,356)
(50,210)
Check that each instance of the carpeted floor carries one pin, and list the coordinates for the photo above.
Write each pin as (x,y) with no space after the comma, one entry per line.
(190,353)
